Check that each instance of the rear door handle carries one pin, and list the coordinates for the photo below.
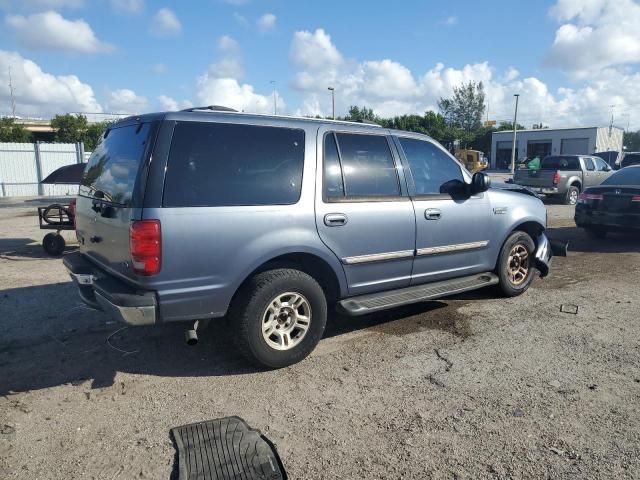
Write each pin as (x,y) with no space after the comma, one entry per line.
(432,214)
(335,219)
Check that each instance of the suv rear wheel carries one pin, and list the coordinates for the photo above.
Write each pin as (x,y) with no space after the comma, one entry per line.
(516,264)
(279,317)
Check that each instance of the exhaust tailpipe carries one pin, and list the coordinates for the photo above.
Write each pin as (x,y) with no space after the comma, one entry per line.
(191,335)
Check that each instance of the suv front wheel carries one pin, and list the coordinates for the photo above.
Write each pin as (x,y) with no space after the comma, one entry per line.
(516,262)
(279,317)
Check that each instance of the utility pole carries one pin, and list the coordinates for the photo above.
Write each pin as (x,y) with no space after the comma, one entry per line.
(333,102)
(13,98)
(275,101)
(515,127)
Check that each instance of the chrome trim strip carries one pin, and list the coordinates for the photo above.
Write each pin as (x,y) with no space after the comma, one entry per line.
(452,248)
(377,257)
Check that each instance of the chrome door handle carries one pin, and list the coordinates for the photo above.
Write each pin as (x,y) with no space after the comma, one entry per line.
(335,219)
(432,214)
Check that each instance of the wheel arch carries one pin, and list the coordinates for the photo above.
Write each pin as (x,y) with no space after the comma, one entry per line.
(332,282)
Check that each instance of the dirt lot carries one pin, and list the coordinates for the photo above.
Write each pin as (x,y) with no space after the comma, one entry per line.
(469,387)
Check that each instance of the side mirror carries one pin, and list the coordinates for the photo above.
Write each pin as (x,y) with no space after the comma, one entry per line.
(480,182)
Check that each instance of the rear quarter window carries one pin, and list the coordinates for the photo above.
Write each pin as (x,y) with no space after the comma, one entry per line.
(225,164)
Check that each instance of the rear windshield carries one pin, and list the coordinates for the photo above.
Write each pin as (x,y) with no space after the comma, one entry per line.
(223,164)
(631,159)
(561,163)
(626,176)
(113,167)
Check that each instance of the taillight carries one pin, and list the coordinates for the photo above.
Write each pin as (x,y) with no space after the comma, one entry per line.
(145,243)
(556,178)
(585,196)
(635,198)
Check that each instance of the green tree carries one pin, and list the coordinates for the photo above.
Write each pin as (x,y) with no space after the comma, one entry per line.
(70,128)
(508,126)
(632,141)
(93,134)
(465,108)
(361,114)
(10,131)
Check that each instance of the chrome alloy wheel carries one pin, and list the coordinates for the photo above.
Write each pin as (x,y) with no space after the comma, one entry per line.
(518,264)
(286,320)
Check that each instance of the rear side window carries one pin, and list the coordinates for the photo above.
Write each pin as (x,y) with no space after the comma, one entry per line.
(367,166)
(431,168)
(113,167)
(224,164)
(561,163)
(333,183)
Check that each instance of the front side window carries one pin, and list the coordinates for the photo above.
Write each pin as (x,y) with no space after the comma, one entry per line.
(601,165)
(226,164)
(431,168)
(588,164)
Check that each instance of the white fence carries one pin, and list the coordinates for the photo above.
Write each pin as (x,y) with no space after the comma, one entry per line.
(24,165)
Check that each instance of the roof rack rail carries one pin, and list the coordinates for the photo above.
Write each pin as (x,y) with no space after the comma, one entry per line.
(368,122)
(215,108)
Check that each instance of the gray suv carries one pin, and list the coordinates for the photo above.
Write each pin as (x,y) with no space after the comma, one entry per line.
(273,221)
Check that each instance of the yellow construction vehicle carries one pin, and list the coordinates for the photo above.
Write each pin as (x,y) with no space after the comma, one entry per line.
(473,160)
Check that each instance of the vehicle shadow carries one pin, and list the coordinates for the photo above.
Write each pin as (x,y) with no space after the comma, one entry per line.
(50,339)
(17,248)
(579,241)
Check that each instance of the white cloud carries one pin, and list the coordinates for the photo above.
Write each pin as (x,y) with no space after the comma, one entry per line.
(159,69)
(595,34)
(266,22)
(51,31)
(230,63)
(126,101)
(169,104)
(128,6)
(451,21)
(41,94)
(165,23)
(390,88)
(314,50)
(241,19)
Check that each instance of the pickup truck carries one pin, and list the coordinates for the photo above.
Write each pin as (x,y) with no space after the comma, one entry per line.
(564,176)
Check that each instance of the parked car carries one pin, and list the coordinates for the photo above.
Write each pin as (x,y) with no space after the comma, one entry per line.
(564,176)
(272,221)
(630,158)
(612,158)
(613,206)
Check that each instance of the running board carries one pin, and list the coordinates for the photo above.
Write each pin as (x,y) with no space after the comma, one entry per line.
(373,302)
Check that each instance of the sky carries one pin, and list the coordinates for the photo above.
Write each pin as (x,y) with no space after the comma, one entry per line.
(573,62)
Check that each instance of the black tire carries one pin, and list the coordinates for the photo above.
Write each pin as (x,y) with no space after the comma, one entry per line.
(571,197)
(53,244)
(248,312)
(509,286)
(596,232)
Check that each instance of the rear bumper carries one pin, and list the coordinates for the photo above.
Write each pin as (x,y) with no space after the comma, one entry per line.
(545,190)
(586,218)
(104,292)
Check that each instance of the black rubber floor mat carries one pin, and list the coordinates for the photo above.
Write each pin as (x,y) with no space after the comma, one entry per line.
(226,448)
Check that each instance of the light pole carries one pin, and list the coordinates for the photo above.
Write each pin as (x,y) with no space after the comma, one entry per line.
(275,102)
(333,102)
(513,146)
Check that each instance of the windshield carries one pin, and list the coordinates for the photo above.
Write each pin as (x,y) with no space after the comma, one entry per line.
(113,167)
(626,176)
(561,163)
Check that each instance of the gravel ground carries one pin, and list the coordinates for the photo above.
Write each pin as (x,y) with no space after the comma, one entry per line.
(473,386)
